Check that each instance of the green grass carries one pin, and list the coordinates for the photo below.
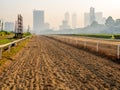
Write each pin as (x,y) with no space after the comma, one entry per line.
(4,41)
(106,36)
(6,37)
(8,55)
(4,33)
(27,34)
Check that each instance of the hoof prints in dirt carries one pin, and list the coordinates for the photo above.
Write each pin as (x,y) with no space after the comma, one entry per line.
(46,64)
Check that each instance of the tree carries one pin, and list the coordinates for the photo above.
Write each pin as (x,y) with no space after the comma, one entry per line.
(110,22)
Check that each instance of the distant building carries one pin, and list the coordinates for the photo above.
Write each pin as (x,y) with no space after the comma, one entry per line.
(9,26)
(67,17)
(38,21)
(64,25)
(99,17)
(74,21)
(93,16)
(65,22)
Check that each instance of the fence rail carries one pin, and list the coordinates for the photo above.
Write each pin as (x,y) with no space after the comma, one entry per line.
(105,48)
(10,44)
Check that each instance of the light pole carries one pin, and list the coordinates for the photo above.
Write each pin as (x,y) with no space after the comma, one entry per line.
(1,25)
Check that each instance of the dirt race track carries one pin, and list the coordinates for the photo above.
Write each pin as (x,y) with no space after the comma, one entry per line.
(46,64)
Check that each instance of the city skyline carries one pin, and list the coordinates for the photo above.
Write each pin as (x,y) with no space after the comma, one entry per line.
(92,16)
(55,10)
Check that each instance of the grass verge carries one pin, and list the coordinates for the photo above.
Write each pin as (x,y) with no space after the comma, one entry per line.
(8,55)
(4,41)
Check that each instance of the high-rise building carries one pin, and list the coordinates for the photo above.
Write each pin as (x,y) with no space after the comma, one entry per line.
(92,15)
(38,21)
(64,25)
(74,21)
(67,17)
(9,26)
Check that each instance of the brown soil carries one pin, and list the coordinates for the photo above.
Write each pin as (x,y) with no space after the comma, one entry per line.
(46,64)
(103,47)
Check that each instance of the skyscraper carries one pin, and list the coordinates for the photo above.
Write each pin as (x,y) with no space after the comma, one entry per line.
(65,22)
(38,21)
(74,21)
(92,15)
(64,25)
(67,17)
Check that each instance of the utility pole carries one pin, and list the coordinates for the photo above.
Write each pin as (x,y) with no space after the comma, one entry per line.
(1,25)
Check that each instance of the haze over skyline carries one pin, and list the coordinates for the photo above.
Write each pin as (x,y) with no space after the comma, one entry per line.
(55,9)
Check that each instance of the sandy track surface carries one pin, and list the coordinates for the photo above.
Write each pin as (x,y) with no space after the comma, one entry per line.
(46,64)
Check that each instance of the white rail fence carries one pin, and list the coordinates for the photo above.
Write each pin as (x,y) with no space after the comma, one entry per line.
(98,46)
(10,44)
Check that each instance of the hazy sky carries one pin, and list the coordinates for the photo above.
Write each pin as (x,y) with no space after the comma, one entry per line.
(55,9)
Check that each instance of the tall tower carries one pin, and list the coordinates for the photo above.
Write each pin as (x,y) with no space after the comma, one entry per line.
(20,24)
(92,15)
(67,17)
(38,21)
(19,27)
(74,21)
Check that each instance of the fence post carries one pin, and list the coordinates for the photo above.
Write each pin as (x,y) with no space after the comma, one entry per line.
(97,47)
(16,44)
(0,53)
(118,51)
(85,43)
(9,48)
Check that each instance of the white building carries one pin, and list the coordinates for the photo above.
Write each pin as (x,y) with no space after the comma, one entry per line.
(9,26)
(38,21)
